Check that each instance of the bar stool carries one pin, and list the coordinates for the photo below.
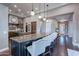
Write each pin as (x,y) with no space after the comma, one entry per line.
(42,46)
(50,42)
(36,48)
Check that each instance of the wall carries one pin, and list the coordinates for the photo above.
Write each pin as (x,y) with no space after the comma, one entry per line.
(54,25)
(76,25)
(43,27)
(3,27)
(70,31)
(49,27)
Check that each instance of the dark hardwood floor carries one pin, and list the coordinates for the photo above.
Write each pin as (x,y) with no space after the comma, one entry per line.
(60,49)
(62,45)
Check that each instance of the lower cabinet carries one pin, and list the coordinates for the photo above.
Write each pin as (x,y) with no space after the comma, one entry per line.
(19,49)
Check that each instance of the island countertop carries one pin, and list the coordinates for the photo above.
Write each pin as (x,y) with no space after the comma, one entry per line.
(29,37)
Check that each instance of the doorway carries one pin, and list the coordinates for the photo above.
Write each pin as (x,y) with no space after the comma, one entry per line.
(63,27)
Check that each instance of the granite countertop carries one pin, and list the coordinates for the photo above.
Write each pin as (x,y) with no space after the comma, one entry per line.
(29,37)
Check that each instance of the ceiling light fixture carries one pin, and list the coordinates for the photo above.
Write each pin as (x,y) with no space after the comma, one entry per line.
(47,14)
(27,11)
(19,10)
(36,8)
(47,20)
(32,12)
(40,17)
(44,19)
(39,13)
(15,6)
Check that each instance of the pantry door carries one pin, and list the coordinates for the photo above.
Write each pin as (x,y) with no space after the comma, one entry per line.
(33,27)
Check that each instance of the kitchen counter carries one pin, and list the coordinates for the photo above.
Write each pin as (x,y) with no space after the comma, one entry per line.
(29,37)
(19,43)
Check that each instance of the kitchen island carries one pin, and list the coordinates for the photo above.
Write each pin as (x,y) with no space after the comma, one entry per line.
(19,43)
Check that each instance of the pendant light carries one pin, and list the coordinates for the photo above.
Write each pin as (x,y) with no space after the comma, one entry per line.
(40,17)
(47,14)
(39,12)
(32,12)
(44,19)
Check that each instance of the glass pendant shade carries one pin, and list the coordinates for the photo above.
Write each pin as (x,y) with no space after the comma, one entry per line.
(47,20)
(44,19)
(39,17)
(32,13)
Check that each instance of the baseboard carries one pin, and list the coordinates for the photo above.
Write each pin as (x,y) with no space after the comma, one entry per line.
(4,49)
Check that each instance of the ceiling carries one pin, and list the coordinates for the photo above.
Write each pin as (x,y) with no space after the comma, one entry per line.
(25,8)
(67,17)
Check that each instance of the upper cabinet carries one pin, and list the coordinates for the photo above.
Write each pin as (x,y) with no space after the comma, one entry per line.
(15,23)
(13,19)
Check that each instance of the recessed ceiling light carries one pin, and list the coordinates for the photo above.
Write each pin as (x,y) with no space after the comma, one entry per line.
(15,6)
(36,8)
(19,10)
